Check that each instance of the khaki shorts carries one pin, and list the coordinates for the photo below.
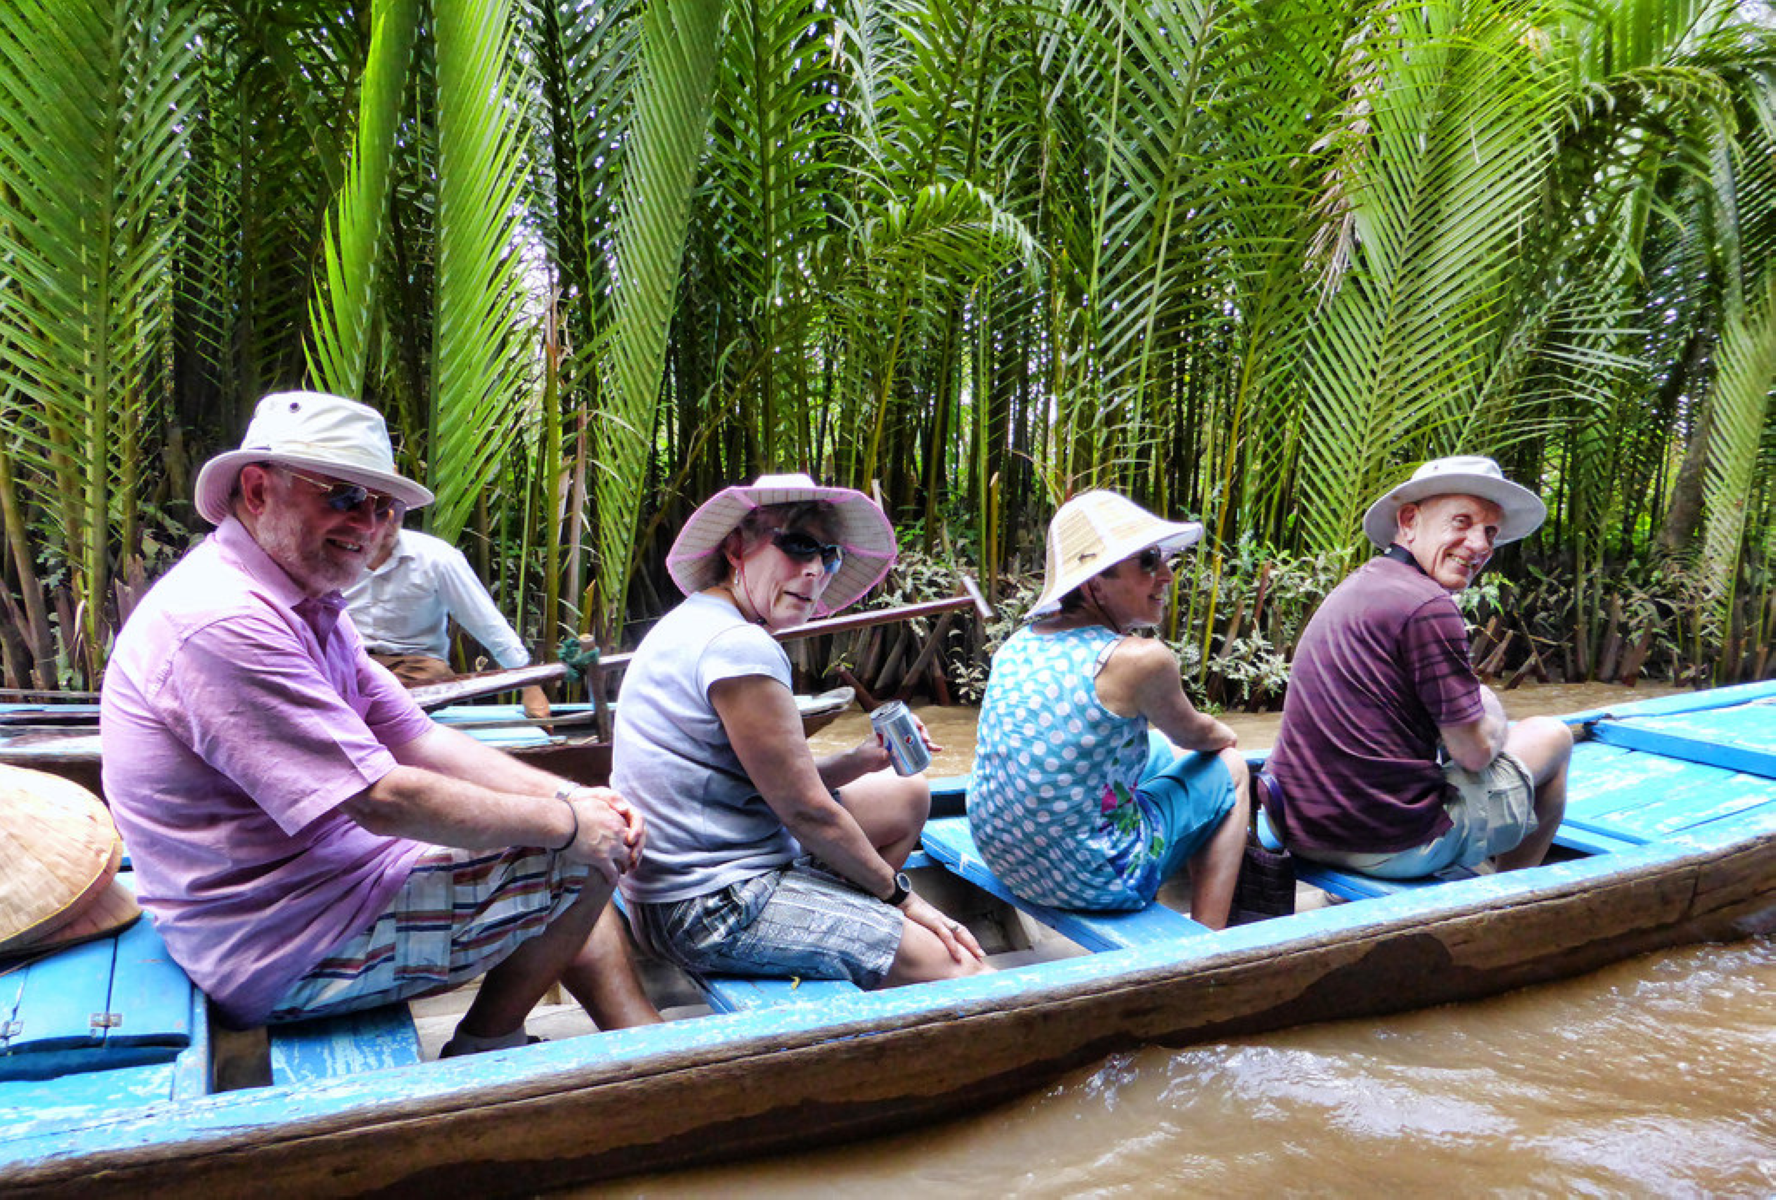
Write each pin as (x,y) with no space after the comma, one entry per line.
(1490,812)
(416,670)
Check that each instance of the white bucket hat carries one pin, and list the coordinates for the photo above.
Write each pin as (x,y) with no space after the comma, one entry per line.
(1460,475)
(1092,533)
(339,437)
(695,561)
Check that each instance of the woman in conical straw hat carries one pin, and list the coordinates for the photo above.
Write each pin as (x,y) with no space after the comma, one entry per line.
(1094,777)
(762,860)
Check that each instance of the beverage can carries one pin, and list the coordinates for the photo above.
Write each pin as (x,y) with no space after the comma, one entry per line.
(894,722)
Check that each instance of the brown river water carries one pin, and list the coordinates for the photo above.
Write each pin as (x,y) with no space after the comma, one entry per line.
(1655,1077)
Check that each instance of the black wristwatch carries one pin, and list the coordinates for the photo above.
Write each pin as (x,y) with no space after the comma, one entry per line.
(903,887)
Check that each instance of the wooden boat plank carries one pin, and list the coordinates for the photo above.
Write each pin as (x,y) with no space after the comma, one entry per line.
(1724,725)
(121,1087)
(1673,814)
(1575,836)
(1606,779)
(1754,760)
(330,1047)
(192,1076)
(150,999)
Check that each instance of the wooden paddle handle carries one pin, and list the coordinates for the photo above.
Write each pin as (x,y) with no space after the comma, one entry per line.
(437,695)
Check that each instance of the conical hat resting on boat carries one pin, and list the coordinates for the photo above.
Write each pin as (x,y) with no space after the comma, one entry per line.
(59,854)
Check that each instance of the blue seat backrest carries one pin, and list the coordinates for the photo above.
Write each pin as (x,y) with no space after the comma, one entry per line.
(112,1002)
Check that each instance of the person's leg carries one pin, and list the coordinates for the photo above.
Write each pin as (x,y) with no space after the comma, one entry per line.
(510,990)
(802,920)
(1544,745)
(527,917)
(416,670)
(1214,869)
(922,957)
(892,810)
(602,977)
(1202,807)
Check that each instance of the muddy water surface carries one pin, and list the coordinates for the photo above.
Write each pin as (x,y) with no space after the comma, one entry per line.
(1656,1077)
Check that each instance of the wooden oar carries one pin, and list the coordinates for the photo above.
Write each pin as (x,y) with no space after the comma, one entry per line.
(439,695)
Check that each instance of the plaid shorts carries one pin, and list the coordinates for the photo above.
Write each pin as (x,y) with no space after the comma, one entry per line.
(798,920)
(460,913)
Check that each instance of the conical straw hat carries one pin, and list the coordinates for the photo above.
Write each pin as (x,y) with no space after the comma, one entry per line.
(59,854)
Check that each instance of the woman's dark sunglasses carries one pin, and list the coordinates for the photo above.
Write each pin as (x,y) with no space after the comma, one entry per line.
(803,548)
(1150,558)
(349,497)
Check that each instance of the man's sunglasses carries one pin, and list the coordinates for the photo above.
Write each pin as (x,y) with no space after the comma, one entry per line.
(349,497)
(1149,560)
(805,549)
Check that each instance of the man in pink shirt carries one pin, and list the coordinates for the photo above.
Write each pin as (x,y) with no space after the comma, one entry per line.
(306,838)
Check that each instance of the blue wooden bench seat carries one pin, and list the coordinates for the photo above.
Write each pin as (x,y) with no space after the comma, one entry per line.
(950,842)
(740,993)
(110,1021)
(347,1044)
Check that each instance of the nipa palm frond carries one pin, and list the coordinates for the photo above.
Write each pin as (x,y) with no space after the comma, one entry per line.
(483,366)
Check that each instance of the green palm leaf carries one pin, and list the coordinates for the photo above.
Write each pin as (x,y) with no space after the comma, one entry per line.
(340,311)
(680,45)
(94,104)
(483,358)
(1741,401)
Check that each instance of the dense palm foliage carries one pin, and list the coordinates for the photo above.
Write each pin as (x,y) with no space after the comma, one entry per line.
(595,258)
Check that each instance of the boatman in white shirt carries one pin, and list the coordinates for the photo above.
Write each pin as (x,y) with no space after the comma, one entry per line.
(402,607)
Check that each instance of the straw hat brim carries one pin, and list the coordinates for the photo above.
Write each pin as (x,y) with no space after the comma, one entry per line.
(104,908)
(59,856)
(1523,510)
(1107,528)
(215,482)
(695,560)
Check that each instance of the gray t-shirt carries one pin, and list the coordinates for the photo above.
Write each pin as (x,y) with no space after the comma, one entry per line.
(707,825)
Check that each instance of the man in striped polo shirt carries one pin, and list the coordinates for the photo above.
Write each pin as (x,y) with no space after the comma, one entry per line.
(1393,759)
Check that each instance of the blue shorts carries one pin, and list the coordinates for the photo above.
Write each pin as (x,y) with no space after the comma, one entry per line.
(1185,795)
(798,920)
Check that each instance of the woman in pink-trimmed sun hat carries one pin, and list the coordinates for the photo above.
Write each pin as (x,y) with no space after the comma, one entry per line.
(762,860)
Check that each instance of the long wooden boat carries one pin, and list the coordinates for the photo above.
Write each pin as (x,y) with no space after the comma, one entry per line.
(63,738)
(47,732)
(1670,838)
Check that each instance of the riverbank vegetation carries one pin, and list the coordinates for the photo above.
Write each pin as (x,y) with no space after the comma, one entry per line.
(1248,262)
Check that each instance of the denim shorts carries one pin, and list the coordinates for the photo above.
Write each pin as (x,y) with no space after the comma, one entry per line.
(800,920)
(1490,812)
